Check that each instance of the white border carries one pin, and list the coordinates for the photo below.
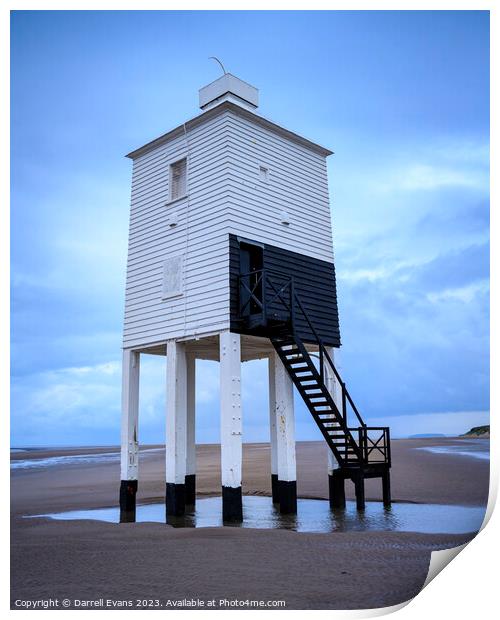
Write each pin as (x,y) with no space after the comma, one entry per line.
(468,587)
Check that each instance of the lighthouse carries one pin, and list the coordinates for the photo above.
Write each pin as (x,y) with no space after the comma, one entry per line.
(230,258)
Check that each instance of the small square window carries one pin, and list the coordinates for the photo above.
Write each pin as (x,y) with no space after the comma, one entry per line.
(178,179)
(264,174)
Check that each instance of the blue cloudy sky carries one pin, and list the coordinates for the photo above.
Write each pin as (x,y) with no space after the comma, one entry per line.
(403,100)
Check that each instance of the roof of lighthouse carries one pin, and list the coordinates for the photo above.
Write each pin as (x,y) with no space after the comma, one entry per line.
(229,93)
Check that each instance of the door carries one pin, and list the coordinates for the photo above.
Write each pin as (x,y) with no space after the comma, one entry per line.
(251,264)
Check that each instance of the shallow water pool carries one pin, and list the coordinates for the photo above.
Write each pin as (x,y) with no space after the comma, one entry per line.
(312,516)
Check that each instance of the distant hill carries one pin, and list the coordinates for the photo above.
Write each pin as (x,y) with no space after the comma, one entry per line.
(425,435)
(478,431)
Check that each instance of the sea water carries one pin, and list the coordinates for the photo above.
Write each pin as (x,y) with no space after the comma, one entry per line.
(312,516)
(95,458)
(472,448)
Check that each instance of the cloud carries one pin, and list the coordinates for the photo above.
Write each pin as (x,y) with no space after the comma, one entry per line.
(459,164)
(428,177)
(418,343)
(465,294)
(410,215)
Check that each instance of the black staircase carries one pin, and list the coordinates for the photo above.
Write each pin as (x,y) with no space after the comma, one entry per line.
(270,307)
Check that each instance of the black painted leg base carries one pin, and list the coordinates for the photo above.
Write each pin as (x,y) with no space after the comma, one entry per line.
(190,485)
(359,487)
(128,491)
(232,504)
(275,489)
(288,496)
(175,499)
(386,488)
(336,488)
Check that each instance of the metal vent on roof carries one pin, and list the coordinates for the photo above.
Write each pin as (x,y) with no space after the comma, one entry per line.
(229,88)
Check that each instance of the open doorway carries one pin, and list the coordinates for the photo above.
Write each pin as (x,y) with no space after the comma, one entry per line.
(251,264)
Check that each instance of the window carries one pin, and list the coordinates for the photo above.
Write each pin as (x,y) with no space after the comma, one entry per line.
(178,179)
(264,174)
(173,284)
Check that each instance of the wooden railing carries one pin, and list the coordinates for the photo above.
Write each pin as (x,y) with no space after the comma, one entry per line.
(262,292)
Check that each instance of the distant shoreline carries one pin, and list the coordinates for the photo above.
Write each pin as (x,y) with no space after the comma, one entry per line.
(479,432)
(94,447)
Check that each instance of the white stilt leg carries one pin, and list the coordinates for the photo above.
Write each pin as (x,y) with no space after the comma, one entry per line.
(191,432)
(335,480)
(176,427)
(272,430)
(285,435)
(335,390)
(130,415)
(231,425)
(129,434)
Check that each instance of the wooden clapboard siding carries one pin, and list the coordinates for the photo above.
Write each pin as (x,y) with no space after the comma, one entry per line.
(297,184)
(199,235)
(315,285)
(226,196)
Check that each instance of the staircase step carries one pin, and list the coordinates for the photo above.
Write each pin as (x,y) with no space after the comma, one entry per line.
(311,386)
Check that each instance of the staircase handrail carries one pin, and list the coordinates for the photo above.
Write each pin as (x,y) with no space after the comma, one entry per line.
(295,299)
(323,353)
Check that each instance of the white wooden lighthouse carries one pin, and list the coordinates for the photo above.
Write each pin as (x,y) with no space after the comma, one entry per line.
(230,258)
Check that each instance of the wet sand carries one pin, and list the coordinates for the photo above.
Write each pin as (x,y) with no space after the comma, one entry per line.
(91,560)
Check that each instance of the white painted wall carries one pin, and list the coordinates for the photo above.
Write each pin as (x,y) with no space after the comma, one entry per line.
(225,195)
(297,183)
(200,235)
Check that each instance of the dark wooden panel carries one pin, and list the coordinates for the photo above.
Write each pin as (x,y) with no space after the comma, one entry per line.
(314,284)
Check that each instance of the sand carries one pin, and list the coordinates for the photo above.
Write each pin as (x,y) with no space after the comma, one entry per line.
(86,560)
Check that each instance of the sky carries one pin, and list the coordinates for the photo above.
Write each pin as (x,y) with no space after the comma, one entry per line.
(402,98)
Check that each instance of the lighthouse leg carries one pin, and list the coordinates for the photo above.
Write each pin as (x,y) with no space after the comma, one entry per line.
(336,484)
(386,488)
(129,463)
(359,486)
(190,433)
(231,426)
(176,429)
(285,438)
(272,431)
(336,487)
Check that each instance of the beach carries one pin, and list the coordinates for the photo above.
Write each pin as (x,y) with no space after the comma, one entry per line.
(90,560)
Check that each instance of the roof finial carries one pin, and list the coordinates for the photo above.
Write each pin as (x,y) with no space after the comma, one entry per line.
(217,60)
